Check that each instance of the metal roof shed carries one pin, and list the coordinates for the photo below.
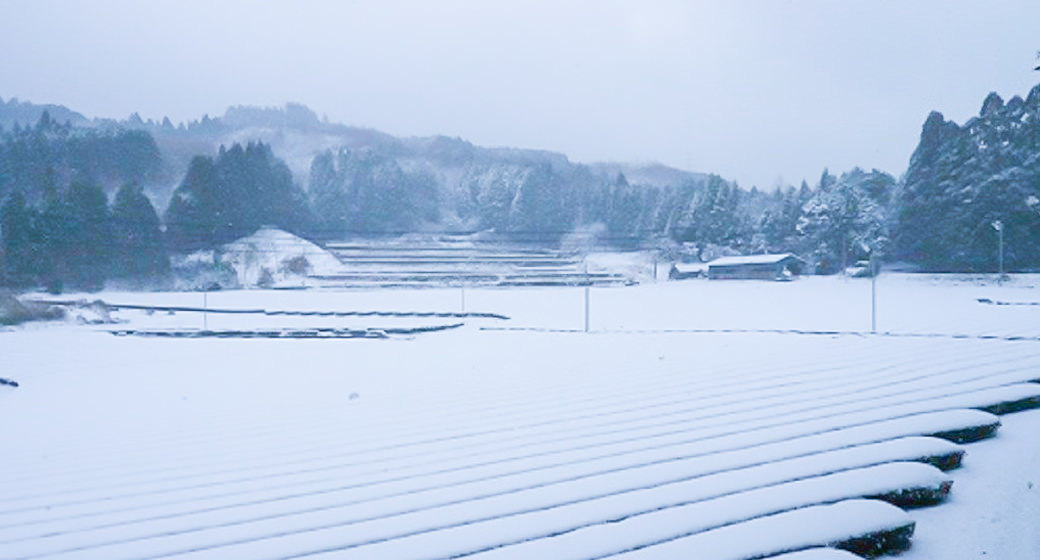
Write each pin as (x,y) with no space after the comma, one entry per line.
(782,266)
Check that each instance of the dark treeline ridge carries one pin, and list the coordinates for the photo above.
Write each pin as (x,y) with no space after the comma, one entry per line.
(76,201)
(232,196)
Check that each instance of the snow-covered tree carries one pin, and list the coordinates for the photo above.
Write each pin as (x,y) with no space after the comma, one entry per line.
(845,219)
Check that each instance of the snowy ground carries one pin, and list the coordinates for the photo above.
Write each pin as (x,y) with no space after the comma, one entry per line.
(689,407)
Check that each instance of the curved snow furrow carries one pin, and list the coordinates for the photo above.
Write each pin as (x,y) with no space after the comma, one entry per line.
(449,409)
(630,529)
(919,424)
(123,479)
(816,554)
(481,535)
(547,424)
(165,462)
(824,525)
(437,444)
(539,396)
(50,513)
(770,461)
(995,398)
(694,488)
(541,399)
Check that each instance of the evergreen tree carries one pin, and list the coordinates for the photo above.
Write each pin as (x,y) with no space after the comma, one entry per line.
(363,191)
(18,250)
(845,219)
(623,211)
(195,211)
(326,192)
(87,235)
(537,213)
(51,241)
(779,224)
(139,251)
(712,218)
(223,200)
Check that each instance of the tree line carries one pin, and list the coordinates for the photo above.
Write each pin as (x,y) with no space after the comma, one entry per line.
(75,210)
(59,230)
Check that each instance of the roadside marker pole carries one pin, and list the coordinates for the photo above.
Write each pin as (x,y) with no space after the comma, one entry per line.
(463,299)
(205,310)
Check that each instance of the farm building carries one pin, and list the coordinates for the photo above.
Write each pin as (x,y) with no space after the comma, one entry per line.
(682,271)
(755,267)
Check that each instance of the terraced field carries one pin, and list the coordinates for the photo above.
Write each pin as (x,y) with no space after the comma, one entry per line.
(477,443)
(460,261)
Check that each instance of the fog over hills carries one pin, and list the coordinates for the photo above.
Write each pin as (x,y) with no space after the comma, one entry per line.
(296,135)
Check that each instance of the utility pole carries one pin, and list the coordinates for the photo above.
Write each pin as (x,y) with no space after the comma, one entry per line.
(587,284)
(845,255)
(873,293)
(1000,254)
(999,226)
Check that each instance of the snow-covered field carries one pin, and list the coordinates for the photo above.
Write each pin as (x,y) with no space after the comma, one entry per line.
(697,419)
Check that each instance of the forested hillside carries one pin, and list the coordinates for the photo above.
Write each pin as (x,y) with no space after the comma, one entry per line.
(42,157)
(964,179)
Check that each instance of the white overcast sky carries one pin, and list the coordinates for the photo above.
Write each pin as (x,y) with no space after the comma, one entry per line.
(758,91)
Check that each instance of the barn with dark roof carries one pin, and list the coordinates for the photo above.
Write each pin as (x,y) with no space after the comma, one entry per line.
(784,266)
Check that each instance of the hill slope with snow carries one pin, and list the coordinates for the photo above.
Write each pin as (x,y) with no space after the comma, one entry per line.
(267,258)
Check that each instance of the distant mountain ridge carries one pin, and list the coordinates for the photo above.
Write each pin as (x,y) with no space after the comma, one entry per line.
(296,134)
(23,113)
(423,183)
